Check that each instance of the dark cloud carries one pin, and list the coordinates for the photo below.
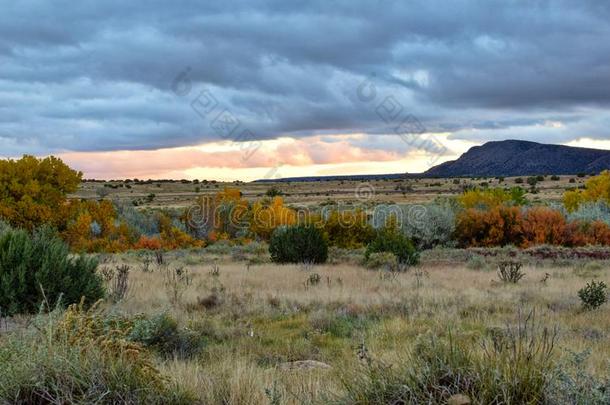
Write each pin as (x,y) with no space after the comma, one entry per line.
(98,75)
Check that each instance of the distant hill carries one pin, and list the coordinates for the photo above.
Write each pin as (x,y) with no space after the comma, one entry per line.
(349,177)
(500,158)
(522,158)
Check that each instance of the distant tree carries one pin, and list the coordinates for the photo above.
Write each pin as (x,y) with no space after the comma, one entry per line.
(274,192)
(596,189)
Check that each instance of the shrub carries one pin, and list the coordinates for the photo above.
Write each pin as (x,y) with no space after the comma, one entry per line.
(274,192)
(298,244)
(575,384)
(80,357)
(490,198)
(390,239)
(510,272)
(38,268)
(382,260)
(347,229)
(268,215)
(597,188)
(161,332)
(499,226)
(429,225)
(590,212)
(33,191)
(593,295)
(543,225)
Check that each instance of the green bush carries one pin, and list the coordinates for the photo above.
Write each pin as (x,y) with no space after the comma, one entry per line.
(298,244)
(593,295)
(390,239)
(38,268)
(162,333)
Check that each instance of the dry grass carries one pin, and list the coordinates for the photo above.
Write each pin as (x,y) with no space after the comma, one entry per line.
(313,193)
(259,316)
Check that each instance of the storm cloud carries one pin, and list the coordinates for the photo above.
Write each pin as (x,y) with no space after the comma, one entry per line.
(114,75)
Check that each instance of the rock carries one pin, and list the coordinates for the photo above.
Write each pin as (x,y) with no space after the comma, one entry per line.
(459,399)
(304,365)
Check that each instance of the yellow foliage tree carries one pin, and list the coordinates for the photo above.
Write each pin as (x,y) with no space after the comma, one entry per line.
(266,217)
(33,191)
(349,229)
(93,226)
(491,198)
(596,189)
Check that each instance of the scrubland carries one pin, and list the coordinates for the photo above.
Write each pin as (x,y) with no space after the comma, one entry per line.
(407,291)
(233,328)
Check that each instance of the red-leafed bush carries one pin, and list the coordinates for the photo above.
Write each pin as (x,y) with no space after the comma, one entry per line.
(542,225)
(498,226)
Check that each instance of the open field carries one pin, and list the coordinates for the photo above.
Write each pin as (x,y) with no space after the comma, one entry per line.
(465,291)
(265,333)
(182,194)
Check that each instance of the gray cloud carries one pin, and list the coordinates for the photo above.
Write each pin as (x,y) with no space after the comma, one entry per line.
(97,75)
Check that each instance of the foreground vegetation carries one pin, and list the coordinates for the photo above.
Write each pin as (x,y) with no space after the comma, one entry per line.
(212,326)
(484,297)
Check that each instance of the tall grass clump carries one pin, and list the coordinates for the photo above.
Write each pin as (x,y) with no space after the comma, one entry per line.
(511,366)
(38,268)
(298,244)
(80,357)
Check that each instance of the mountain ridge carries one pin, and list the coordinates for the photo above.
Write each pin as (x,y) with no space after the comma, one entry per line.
(522,158)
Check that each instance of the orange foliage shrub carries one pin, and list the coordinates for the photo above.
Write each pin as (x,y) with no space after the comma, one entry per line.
(542,225)
(92,227)
(147,243)
(498,226)
(174,238)
(502,226)
(580,233)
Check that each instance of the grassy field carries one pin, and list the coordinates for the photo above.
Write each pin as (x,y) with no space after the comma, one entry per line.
(224,325)
(269,333)
(182,194)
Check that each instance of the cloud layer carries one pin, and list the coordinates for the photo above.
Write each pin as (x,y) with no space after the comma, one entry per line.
(93,76)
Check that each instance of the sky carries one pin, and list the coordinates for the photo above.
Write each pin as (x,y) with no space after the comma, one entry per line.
(252,89)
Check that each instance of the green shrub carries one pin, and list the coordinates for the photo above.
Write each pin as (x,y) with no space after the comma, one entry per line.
(390,239)
(161,333)
(593,295)
(38,268)
(298,244)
